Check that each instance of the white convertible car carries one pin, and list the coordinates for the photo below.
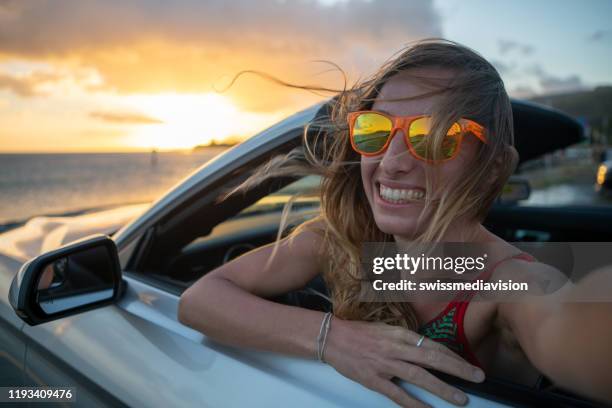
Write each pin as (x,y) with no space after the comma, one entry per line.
(105,321)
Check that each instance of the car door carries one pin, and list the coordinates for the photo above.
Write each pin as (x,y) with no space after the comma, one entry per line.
(136,353)
(12,355)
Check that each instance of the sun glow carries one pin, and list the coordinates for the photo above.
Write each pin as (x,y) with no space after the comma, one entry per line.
(188,120)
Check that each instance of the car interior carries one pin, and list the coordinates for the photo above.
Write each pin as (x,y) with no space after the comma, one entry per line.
(203,234)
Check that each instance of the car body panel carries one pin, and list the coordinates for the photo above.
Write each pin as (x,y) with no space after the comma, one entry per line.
(137,351)
(12,339)
(41,234)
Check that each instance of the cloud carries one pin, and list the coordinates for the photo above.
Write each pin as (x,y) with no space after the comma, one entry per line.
(551,84)
(28,85)
(502,67)
(63,26)
(507,46)
(16,85)
(522,91)
(42,82)
(185,46)
(599,35)
(129,118)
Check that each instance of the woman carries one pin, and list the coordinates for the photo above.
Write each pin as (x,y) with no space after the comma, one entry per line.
(378,185)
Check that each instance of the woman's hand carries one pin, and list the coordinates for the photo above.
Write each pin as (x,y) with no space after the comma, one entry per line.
(375,353)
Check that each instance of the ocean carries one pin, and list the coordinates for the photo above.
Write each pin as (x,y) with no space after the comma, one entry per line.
(37,184)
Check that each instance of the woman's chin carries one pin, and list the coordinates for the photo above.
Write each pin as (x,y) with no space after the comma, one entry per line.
(397,219)
(400,226)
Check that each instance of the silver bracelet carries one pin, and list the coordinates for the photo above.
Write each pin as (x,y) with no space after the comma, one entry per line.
(322,338)
(327,327)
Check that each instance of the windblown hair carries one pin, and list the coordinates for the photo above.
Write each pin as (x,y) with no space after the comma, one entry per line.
(475,91)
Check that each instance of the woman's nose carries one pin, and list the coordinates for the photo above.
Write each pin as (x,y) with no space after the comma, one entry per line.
(397,158)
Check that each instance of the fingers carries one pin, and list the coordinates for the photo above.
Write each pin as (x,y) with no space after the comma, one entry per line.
(390,351)
(430,344)
(396,394)
(412,338)
(419,376)
(438,360)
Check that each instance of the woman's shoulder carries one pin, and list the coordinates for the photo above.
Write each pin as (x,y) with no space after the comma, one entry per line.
(313,230)
(511,262)
(309,237)
(522,265)
(523,268)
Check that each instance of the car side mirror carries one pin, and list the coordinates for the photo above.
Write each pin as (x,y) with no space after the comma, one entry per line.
(76,277)
(516,189)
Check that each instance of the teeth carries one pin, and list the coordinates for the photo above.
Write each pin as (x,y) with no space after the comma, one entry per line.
(400,196)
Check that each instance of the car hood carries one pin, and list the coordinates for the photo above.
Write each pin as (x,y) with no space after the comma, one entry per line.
(41,234)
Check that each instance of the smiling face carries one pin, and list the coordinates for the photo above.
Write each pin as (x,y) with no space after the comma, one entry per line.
(395,181)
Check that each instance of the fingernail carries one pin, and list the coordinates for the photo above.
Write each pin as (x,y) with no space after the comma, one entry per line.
(460,398)
(478,375)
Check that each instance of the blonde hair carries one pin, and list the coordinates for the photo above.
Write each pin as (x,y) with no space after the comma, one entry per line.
(475,91)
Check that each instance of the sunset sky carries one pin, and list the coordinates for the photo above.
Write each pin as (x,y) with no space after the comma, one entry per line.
(114,75)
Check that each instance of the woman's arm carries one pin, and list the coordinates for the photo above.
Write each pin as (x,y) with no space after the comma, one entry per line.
(569,341)
(229,305)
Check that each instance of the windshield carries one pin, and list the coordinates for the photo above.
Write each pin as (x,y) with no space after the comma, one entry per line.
(301,189)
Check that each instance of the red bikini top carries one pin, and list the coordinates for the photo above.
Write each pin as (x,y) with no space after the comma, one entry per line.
(447,327)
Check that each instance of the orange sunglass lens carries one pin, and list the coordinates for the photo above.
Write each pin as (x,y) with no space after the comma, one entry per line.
(417,137)
(370,132)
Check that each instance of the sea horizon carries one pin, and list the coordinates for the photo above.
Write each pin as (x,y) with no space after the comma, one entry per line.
(55,183)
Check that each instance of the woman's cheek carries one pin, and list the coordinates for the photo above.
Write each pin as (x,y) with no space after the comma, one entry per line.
(456,169)
(442,176)
(368,170)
